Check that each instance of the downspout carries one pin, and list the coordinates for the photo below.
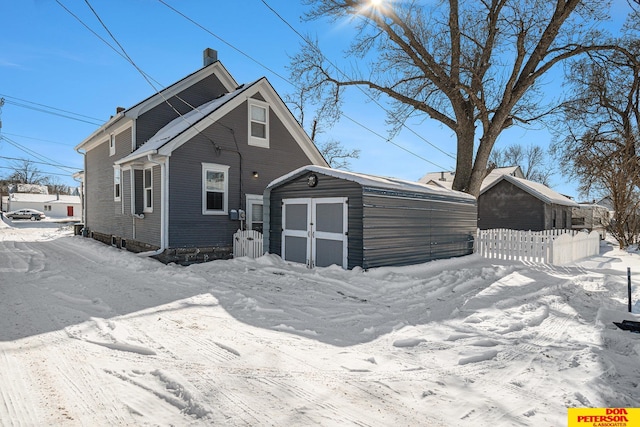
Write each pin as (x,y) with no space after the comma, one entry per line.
(266,220)
(83,197)
(164,197)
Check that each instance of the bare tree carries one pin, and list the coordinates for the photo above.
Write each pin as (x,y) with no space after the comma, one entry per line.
(332,150)
(601,133)
(26,172)
(55,186)
(471,65)
(532,159)
(336,155)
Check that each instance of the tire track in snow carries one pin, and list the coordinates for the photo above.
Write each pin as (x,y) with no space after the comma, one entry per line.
(16,406)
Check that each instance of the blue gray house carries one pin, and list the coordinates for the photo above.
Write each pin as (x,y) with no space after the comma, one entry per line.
(180,172)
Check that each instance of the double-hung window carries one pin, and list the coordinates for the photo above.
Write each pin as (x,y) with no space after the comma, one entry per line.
(215,189)
(258,123)
(148,190)
(116,184)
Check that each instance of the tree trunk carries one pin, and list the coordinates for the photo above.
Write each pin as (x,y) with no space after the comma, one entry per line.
(464,159)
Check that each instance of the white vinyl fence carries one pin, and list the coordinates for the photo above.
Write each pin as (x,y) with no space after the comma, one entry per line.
(247,243)
(555,247)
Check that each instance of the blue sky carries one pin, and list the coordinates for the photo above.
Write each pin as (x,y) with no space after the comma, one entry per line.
(49,58)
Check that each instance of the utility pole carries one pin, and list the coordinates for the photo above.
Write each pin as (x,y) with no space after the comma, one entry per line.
(1,185)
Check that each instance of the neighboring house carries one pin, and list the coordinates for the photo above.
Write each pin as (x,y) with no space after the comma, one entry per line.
(53,206)
(445,179)
(177,173)
(320,216)
(507,200)
(520,204)
(592,217)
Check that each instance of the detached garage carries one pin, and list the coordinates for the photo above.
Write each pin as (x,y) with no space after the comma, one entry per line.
(320,216)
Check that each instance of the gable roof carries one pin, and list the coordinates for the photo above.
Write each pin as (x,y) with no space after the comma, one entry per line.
(159,97)
(539,191)
(373,181)
(182,129)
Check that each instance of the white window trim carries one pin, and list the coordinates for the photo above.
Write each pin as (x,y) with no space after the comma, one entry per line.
(118,171)
(253,140)
(147,204)
(112,144)
(216,168)
(251,199)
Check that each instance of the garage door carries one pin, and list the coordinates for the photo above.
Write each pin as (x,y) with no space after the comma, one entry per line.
(314,231)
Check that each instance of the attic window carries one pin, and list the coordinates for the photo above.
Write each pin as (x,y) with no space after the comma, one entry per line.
(258,123)
(112,144)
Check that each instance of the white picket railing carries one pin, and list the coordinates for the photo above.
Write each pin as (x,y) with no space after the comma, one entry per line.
(550,246)
(247,243)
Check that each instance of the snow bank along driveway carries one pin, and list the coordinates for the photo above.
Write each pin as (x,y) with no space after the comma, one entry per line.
(91,335)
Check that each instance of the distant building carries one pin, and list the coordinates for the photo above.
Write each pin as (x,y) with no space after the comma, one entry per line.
(592,217)
(53,206)
(508,200)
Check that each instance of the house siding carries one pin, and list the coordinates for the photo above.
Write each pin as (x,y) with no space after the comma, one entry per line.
(188,227)
(103,213)
(327,187)
(558,216)
(403,230)
(507,206)
(153,120)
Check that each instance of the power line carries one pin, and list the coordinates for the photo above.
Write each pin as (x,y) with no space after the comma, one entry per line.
(308,42)
(48,173)
(295,86)
(50,108)
(39,139)
(35,154)
(35,162)
(148,79)
(223,40)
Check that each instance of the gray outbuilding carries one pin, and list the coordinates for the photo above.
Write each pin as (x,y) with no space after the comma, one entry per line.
(320,216)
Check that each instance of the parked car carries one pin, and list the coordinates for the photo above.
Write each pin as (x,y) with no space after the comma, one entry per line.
(31,214)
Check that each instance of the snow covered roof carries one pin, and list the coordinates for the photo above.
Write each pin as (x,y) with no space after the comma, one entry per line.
(43,198)
(536,189)
(373,181)
(438,177)
(445,179)
(182,123)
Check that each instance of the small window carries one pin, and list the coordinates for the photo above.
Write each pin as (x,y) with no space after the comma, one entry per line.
(116,184)
(258,123)
(112,144)
(215,189)
(148,190)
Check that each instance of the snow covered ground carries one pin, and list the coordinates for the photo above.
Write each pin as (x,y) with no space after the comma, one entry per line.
(92,335)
